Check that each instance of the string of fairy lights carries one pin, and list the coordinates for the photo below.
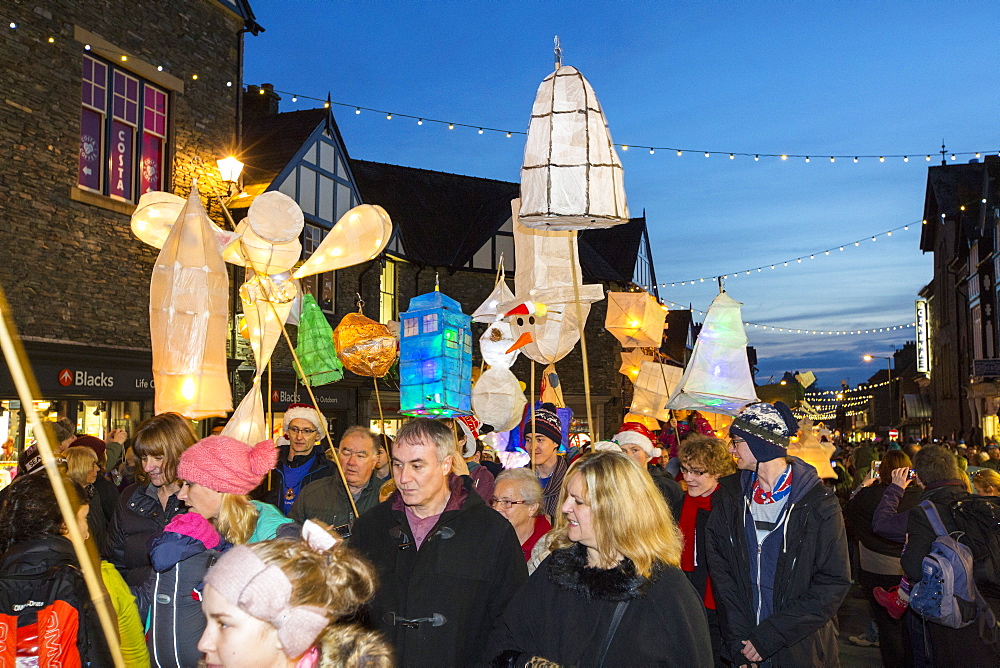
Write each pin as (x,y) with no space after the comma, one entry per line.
(864,387)
(798,330)
(838,248)
(481,129)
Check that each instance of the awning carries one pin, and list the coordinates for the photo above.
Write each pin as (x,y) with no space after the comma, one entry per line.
(916,406)
(983,389)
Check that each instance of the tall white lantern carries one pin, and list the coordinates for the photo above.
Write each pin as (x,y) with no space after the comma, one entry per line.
(717,378)
(571,177)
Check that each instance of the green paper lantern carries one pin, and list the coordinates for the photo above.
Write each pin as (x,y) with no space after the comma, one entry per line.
(315,350)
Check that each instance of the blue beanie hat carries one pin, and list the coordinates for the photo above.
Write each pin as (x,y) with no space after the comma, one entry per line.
(767,429)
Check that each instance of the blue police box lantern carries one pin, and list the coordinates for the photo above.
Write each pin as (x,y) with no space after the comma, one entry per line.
(435,357)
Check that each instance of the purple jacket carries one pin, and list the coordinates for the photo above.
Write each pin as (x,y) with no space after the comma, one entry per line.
(887,522)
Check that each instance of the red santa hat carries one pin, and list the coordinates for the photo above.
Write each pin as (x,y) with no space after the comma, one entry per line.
(302,412)
(470,425)
(634,433)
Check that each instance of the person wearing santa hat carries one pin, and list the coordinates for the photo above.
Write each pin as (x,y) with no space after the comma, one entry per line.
(300,462)
(637,442)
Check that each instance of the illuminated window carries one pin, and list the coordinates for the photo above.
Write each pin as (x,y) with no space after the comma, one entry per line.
(411,327)
(387,292)
(430,323)
(110,161)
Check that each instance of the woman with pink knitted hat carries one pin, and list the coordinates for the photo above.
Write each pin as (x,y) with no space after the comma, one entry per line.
(217,474)
(280,604)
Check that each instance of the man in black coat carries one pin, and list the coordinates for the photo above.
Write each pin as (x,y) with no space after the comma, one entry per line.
(777,550)
(937,470)
(447,563)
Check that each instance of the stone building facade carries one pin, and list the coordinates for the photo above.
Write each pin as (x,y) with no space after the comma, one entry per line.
(103,100)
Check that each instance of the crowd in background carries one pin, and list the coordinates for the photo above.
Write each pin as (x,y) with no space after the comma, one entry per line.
(677,548)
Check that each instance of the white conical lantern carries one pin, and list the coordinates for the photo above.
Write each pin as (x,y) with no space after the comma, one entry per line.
(717,378)
(571,177)
(188,318)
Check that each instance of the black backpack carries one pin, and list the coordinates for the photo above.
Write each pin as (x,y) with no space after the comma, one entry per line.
(978,518)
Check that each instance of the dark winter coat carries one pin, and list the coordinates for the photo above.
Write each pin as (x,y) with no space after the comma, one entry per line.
(326,500)
(860,514)
(41,579)
(272,489)
(172,594)
(138,519)
(565,609)
(811,572)
(672,492)
(946,644)
(465,572)
(888,521)
(921,535)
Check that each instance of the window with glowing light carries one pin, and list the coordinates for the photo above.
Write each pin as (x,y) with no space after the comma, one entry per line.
(321,286)
(387,292)
(123,132)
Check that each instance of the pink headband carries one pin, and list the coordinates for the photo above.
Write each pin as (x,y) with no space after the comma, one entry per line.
(263,591)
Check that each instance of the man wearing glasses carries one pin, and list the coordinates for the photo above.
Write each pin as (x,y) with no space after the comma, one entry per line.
(300,462)
(326,499)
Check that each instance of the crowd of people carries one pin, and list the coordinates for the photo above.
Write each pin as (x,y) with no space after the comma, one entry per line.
(674,549)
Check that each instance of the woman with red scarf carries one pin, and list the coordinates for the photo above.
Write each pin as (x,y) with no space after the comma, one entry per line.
(703,460)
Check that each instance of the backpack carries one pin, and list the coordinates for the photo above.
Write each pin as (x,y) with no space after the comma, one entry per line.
(51,614)
(978,518)
(947,592)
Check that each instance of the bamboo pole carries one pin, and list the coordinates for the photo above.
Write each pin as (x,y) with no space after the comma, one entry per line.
(24,381)
(583,337)
(532,432)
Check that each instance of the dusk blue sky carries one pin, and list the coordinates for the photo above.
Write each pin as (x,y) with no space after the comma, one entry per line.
(810,78)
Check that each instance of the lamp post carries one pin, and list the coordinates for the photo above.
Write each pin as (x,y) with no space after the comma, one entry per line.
(230,168)
(888,361)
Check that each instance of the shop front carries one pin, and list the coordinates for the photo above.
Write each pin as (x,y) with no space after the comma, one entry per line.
(97,389)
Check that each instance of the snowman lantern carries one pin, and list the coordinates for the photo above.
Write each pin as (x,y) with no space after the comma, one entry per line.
(435,357)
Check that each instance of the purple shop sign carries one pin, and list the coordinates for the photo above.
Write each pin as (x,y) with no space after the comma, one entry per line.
(121,156)
(91,133)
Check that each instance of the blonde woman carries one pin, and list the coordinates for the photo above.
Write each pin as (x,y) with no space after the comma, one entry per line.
(986,482)
(612,583)
(217,474)
(280,603)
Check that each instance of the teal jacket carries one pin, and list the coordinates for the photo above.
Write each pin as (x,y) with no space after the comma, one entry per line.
(269,520)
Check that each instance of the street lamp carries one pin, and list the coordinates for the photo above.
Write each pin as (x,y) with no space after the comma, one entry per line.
(230,168)
(888,360)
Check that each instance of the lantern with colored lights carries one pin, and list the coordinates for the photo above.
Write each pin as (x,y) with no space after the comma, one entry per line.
(315,348)
(364,346)
(636,319)
(435,357)
(653,386)
(571,177)
(717,378)
(189,318)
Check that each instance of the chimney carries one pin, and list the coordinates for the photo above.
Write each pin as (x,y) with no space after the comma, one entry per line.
(260,101)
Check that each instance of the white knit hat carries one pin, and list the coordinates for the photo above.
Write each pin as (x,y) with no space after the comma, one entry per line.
(302,412)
